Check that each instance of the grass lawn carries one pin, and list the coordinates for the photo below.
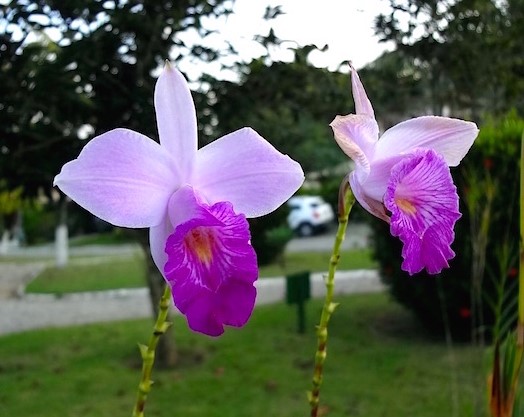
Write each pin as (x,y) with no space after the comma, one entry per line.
(380,363)
(79,275)
(117,236)
(318,262)
(115,272)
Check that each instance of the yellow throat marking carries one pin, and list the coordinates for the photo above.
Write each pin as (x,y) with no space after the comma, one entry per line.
(200,241)
(406,206)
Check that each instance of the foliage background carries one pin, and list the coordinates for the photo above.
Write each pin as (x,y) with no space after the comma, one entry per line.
(476,296)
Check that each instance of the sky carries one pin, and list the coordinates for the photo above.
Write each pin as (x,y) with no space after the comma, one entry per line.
(346,26)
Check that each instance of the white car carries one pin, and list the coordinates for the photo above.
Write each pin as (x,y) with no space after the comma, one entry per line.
(309,214)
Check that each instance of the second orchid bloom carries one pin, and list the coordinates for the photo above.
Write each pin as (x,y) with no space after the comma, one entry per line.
(404,177)
(195,202)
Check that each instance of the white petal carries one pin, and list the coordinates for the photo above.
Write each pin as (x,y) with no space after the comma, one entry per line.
(451,138)
(157,242)
(356,135)
(362,104)
(246,170)
(122,177)
(375,207)
(176,118)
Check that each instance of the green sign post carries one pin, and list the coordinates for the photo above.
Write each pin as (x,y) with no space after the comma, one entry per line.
(298,290)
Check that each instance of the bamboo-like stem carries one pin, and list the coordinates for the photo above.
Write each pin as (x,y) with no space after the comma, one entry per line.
(346,201)
(520,324)
(520,329)
(148,353)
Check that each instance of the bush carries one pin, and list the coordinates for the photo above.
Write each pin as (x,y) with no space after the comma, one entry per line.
(39,222)
(329,192)
(270,234)
(476,296)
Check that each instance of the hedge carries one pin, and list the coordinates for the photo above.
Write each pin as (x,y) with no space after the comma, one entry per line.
(476,297)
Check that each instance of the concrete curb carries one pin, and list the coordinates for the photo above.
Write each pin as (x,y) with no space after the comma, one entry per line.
(346,282)
(33,311)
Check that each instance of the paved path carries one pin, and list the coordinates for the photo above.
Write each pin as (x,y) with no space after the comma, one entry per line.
(15,276)
(34,311)
(47,251)
(357,236)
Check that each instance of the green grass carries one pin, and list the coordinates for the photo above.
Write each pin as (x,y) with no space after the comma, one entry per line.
(318,262)
(82,275)
(116,237)
(111,273)
(380,363)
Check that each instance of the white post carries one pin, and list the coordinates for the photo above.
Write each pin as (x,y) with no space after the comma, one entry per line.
(61,245)
(4,243)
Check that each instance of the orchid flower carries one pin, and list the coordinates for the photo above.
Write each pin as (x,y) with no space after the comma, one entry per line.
(195,202)
(404,177)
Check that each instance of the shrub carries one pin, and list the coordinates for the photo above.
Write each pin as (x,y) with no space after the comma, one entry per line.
(329,192)
(476,296)
(270,234)
(39,222)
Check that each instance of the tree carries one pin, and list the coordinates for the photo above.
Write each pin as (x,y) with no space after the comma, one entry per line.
(470,50)
(99,72)
(38,129)
(397,87)
(114,47)
(290,104)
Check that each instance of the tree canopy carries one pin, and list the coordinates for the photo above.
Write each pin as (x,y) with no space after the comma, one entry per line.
(290,104)
(470,50)
(98,71)
(74,69)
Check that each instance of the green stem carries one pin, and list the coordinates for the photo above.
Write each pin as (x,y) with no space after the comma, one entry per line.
(346,201)
(520,324)
(510,396)
(148,352)
(521,244)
